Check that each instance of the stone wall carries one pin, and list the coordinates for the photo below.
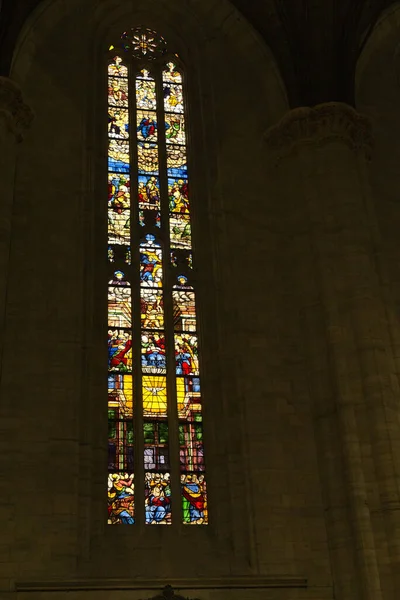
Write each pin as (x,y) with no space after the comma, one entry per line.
(282,488)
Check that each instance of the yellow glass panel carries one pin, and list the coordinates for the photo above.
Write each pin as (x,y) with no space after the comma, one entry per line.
(154,396)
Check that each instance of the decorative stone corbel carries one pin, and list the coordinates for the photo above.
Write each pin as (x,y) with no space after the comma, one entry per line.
(169,594)
(319,125)
(17,115)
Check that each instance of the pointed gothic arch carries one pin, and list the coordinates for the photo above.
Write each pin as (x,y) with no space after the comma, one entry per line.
(73,116)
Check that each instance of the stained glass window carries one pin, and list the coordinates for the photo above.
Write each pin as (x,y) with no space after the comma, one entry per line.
(153,344)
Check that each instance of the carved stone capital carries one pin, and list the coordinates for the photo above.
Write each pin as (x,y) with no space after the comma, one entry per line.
(169,594)
(13,109)
(324,123)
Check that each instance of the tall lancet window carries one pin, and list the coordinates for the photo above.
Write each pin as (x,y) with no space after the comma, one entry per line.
(154,400)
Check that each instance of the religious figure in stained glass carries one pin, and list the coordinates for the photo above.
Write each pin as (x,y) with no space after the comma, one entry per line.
(120,350)
(121,499)
(153,353)
(158,504)
(194,501)
(118,192)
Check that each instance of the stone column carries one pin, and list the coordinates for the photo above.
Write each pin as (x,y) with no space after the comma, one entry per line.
(319,155)
(15,118)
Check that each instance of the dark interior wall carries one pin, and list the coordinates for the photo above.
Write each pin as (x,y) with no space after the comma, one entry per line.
(264,482)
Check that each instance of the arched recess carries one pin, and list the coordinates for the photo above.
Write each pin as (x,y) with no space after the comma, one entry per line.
(377,93)
(231,75)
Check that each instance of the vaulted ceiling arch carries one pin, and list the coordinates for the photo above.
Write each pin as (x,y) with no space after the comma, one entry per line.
(316,43)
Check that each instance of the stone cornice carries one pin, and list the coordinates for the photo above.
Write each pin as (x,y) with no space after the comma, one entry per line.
(324,123)
(204,583)
(13,109)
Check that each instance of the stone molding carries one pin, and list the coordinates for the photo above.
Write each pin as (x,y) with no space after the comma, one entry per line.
(204,583)
(13,109)
(319,125)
